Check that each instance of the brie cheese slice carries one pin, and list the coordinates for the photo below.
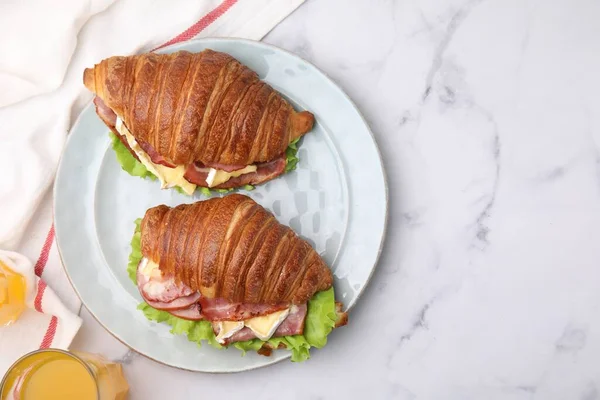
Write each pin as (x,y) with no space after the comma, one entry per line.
(168,177)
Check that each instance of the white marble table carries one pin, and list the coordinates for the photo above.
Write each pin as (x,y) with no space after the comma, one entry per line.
(489,285)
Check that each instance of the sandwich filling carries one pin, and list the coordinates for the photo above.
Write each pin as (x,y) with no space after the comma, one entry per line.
(168,177)
(185,177)
(230,322)
(216,176)
(204,175)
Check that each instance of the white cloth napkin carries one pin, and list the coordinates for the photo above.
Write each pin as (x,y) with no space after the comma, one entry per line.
(45,323)
(45,47)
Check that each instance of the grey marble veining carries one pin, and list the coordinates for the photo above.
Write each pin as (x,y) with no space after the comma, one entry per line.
(488,288)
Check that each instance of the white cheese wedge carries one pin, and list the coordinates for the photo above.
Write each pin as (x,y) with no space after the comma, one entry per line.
(227,329)
(168,177)
(265,326)
(216,176)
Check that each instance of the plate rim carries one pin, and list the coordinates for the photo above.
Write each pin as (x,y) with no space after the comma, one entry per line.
(347,98)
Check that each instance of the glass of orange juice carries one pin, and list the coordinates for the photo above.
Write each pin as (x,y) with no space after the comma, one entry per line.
(12,295)
(59,374)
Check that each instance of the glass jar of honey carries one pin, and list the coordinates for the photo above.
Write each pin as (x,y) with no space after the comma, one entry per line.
(57,374)
(12,295)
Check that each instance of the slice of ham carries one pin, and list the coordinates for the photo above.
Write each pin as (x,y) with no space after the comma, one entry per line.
(109,117)
(197,173)
(191,313)
(154,156)
(240,336)
(222,310)
(160,289)
(292,325)
(223,167)
(181,303)
(106,114)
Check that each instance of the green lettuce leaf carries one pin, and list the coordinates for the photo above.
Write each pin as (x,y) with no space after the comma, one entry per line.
(196,331)
(136,252)
(298,345)
(320,318)
(291,156)
(128,161)
(248,345)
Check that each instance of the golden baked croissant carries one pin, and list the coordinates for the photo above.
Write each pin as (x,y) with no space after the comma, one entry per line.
(233,249)
(204,110)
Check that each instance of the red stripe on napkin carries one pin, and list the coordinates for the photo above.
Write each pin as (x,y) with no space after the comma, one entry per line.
(37,303)
(49,336)
(51,331)
(201,24)
(43,258)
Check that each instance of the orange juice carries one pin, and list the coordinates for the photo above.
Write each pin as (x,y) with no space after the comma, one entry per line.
(60,375)
(12,295)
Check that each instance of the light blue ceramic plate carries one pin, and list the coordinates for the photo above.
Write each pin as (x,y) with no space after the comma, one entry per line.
(336,199)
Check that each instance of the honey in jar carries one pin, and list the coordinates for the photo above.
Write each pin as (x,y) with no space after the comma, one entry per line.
(12,295)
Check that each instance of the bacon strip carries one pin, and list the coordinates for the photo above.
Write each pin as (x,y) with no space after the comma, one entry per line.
(197,173)
(181,303)
(192,313)
(154,156)
(110,119)
(108,116)
(221,310)
(223,167)
(294,323)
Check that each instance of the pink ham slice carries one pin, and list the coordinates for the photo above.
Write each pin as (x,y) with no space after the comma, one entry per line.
(154,156)
(197,173)
(240,336)
(163,290)
(181,303)
(292,325)
(223,167)
(108,116)
(179,300)
(110,119)
(191,313)
(221,310)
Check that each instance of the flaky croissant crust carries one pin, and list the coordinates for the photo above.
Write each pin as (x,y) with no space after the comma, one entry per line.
(233,248)
(203,107)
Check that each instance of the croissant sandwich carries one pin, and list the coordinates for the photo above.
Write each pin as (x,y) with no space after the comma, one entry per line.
(195,119)
(225,271)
